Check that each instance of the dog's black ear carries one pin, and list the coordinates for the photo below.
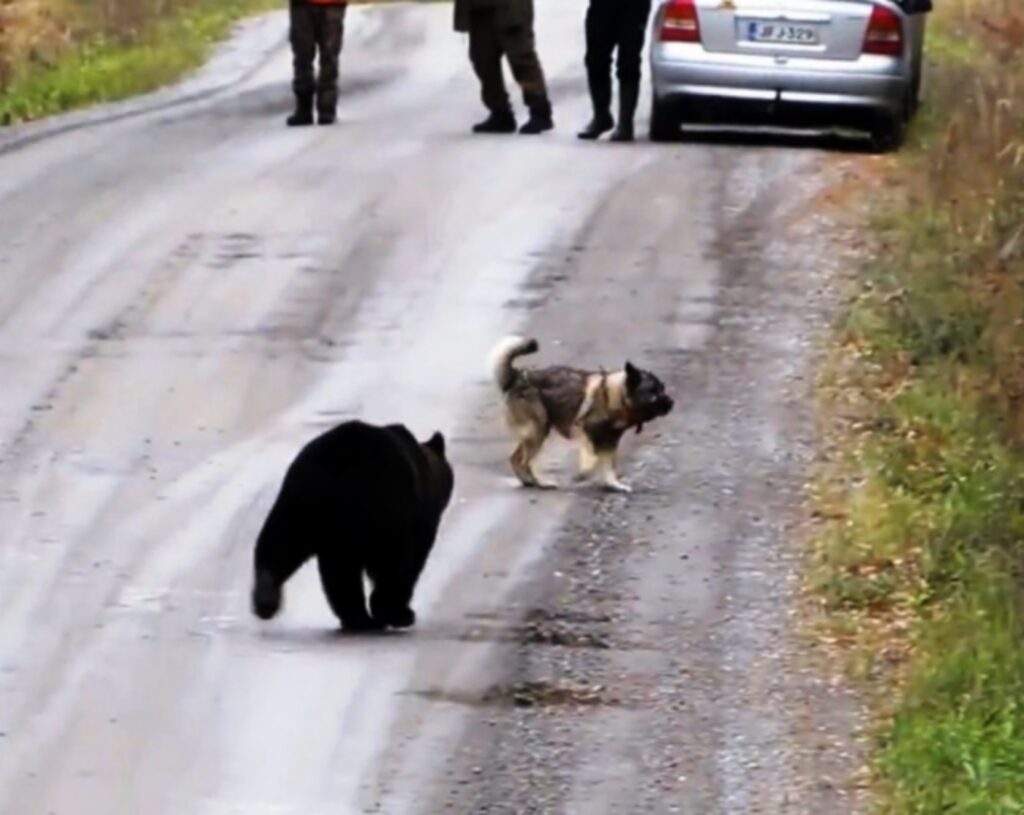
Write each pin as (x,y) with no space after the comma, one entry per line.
(436,443)
(633,375)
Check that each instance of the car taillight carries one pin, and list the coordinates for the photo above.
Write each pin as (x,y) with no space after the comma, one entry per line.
(885,33)
(680,22)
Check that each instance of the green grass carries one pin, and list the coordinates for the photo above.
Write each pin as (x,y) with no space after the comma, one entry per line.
(104,69)
(927,554)
(957,743)
(950,487)
(935,533)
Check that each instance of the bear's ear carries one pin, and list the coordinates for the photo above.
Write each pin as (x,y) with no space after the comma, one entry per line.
(436,443)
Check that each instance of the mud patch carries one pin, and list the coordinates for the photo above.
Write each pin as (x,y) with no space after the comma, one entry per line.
(112,330)
(566,629)
(536,694)
(551,272)
(562,629)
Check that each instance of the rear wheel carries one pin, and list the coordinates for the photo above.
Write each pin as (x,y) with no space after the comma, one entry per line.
(665,122)
(889,131)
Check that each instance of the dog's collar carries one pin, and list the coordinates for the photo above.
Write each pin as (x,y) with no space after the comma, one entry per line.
(631,419)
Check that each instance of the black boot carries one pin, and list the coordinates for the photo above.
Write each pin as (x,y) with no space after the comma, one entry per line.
(629,94)
(327,106)
(541,119)
(597,127)
(601,99)
(500,121)
(303,114)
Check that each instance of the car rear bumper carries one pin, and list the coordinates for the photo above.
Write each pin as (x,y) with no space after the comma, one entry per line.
(871,83)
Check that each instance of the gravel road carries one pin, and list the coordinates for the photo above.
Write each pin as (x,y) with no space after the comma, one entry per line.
(191,290)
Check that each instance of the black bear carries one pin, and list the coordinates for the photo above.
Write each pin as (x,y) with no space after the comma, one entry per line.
(361,499)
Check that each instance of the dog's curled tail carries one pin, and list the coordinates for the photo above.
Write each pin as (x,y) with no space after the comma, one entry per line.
(502,356)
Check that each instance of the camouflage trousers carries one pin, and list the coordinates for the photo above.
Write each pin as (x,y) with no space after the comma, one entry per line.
(317,28)
(488,43)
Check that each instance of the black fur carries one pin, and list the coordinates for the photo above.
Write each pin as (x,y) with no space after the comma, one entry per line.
(361,499)
(605,434)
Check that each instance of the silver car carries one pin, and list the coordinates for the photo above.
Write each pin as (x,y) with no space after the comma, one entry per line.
(823,63)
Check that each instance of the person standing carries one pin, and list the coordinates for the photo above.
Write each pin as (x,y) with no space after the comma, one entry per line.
(617,26)
(504,28)
(316,27)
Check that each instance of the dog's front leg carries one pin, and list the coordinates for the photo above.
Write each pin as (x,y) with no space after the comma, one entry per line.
(588,458)
(609,477)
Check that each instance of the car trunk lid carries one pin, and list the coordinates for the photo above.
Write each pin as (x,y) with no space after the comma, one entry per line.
(825,29)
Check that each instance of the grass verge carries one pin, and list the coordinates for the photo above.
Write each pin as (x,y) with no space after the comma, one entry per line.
(921,562)
(58,55)
(68,56)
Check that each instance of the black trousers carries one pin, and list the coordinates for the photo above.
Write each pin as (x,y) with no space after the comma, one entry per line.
(620,27)
(317,28)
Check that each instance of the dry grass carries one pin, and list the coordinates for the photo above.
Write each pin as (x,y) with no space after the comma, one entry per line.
(37,33)
(31,32)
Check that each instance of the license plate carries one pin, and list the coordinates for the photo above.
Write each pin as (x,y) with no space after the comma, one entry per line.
(780,33)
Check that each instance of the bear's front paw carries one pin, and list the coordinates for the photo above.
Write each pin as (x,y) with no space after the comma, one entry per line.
(358,623)
(266,596)
(395,617)
(402,618)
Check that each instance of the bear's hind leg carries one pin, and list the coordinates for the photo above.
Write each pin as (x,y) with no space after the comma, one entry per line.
(342,581)
(283,545)
(394,579)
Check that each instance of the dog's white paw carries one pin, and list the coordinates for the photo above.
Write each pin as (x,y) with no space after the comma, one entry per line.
(618,486)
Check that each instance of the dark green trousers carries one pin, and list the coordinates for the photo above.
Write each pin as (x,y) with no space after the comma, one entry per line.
(317,29)
(488,43)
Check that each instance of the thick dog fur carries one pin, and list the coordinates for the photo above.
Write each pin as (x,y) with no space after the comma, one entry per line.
(361,499)
(594,409)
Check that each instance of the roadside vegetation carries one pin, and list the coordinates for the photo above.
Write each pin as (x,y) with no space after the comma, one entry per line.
(921,563)
(56,55)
